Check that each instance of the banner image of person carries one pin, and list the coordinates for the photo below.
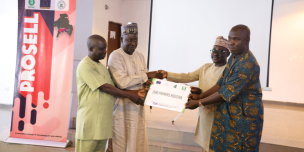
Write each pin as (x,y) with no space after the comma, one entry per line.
(43,70)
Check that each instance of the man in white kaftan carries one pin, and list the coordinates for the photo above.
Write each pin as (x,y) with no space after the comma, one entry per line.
(207,75)
(129,71)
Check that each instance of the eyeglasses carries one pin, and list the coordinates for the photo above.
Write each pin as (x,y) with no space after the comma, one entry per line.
(218,52)
(131,40)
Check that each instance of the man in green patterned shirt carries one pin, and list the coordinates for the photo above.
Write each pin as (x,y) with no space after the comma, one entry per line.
(95,98)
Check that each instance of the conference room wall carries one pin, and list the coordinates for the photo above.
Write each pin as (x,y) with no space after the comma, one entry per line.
(101,17)
(123,11)
(138,11)
(8,41)
(286,56)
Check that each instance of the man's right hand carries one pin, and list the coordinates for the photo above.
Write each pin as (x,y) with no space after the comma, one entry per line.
(164,73)
(136,99)
(154,74)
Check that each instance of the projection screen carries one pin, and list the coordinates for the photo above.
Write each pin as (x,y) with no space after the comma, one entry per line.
(182,32)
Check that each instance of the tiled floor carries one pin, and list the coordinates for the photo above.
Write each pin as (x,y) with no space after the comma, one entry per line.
(283,125)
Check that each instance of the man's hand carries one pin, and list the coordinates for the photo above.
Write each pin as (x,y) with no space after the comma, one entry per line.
(192,104)
(154,74)
(136,99)
(195,90)
(164,73)
(147,83)
(194,96)
(142,92)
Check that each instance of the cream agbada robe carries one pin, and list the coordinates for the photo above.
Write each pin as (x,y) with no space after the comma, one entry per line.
(129,129)
(208,75)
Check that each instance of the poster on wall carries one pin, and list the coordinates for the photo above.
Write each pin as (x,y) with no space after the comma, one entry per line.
(43,72)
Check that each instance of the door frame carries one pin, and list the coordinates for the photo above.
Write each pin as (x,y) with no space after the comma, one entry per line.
(120,24)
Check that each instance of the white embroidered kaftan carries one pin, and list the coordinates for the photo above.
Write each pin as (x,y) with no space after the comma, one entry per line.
(129,128)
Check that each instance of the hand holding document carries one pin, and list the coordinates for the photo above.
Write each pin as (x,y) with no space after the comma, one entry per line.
(167,95)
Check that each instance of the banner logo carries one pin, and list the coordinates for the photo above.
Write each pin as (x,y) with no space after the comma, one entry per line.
(31,3)
(63,25)
(45,4)
(184,88)
(175,86)
(61,4)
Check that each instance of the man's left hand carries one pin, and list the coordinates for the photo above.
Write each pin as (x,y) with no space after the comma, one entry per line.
(195,90)
(142,92)
(192,104)
(147,83)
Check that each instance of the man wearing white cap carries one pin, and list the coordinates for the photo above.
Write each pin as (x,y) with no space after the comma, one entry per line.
(207,75)
(129,71)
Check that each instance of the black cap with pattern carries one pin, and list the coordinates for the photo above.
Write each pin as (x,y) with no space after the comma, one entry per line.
(130,28)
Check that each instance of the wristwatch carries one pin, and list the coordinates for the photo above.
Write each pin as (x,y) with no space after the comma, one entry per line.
(200,103)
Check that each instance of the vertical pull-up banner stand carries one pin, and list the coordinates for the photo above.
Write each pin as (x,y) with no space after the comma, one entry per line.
(43,72)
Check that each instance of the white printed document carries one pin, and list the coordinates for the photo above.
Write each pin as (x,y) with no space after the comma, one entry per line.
(167,95)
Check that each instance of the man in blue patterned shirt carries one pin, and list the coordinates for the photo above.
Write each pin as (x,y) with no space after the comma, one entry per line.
(238,121)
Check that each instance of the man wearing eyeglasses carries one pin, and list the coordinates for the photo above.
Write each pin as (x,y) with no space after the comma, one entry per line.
(207,75)
(129,71)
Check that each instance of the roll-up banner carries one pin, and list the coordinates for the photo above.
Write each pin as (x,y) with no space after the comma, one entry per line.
(43,76)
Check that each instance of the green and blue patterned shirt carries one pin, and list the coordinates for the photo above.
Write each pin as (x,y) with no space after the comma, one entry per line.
(238,121)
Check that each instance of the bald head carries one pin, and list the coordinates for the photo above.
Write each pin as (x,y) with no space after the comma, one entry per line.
(93,41)
(239,37)
(97,47)
(243,28)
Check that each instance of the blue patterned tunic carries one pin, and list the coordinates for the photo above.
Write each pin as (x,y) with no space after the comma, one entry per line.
(238,121)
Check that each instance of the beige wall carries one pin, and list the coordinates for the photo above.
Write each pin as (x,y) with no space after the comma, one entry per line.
(286,58)
(123,11)
(8,41)
(138,11)
(101,17)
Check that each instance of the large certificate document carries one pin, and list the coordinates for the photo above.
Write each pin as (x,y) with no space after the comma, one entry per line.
(167,95)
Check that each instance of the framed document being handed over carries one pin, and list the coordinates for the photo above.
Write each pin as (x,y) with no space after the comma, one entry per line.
(167,95)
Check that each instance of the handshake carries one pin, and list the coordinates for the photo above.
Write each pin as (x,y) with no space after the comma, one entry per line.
(160,74)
